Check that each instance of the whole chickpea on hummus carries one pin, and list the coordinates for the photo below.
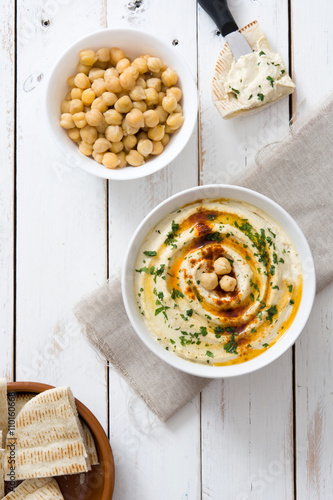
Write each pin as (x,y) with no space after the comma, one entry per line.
(218,282)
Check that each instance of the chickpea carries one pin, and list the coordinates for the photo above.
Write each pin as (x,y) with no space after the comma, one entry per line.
(95,73)
(162,114)
(145,147)
(88,134)
(74,134)
(99,86)
(114,133)
(98,157)
(175,92)
(87,57)
(122,159)
(156,133)
(154,83)
(70,81)
(165,140)
(161,96)
(112,84)
(134,158)
(101,145)
(101,65)
(122,65)
(154,64)
(110,72)
(228,284)
(179,109)
(76,93)
(124,104)
(80,119)
(142,136)
(103,54)
(141,64)
(135,118)
(94,118)
(146,57)
(116,55)
(169,130)
(141,82)
(68,96)
(66,121)
(75,106)
(112,117)
(82,68)
(85,148)
(88,96)
(127,80)
(141,105)
(99,104)
(109,98)
(137,93)
(65,106)
(151,118)
(82,81)
(110,160)
(130,142)
(127,129)
(151,96)
(157,148)
(209,281)
(116,147)
(175,120)
(102,128)
(169,104)
(222,266)
(169,77)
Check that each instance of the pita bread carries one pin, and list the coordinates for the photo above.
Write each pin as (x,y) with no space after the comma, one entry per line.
(36,489)
(22,399)
(49,438)
(3,410)
(230,108)
(2,472)
(90,444)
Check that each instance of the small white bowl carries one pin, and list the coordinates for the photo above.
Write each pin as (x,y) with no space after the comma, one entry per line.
(134,43)
(281,217)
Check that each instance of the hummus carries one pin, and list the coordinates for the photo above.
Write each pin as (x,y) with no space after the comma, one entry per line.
(218,327)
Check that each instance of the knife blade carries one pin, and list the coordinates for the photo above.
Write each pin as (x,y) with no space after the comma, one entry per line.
(219,11)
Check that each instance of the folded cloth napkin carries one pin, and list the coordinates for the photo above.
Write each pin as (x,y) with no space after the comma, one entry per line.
(297,174)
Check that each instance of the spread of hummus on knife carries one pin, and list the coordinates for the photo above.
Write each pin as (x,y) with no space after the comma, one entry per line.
(218,282)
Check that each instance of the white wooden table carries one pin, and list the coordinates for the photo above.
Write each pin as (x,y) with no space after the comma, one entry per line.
(264,436)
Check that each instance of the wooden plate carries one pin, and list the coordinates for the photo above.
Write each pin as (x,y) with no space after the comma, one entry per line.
(96,484)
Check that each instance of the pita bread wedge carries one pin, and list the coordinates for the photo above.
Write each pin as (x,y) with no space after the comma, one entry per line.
(3,410)
(90,444)
(2,472)
(253,82)
(20,401)
(36,489)
(49,438)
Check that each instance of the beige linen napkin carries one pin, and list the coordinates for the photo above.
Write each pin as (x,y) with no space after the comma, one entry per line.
(297,174)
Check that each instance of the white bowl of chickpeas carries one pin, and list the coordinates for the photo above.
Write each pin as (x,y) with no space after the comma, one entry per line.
(121,104)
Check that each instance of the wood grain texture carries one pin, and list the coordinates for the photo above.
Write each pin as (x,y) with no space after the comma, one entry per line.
(247,421)
(313,61)
(61,216)
(7,117)
(153,459)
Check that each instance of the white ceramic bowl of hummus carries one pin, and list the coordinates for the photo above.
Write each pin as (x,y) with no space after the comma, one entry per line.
(134,43)
(217,333)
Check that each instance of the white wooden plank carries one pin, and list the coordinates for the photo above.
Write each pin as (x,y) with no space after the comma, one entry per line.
(61,216)
(314,350)
(248,421)
(7,59)
(153,459)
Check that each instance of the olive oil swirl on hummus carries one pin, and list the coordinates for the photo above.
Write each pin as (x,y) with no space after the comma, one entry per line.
(215,326)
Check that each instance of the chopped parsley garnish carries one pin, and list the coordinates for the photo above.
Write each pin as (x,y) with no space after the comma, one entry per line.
(265,345)
(216,236)
(176,294)
(272,270)
(211,216)
(171,236)
(258,240)
(172,341)
(152,270)
(247,257)
(210,354)
(271,312)
(291,302)
(262,53)
(235,92)
(203,331)
(275,259)
(189,312)
(252,297)
(150,253)
(275,287)
(282,71)
(260,97)
(271,80)
(290,288)
(250,97)
(231,345)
